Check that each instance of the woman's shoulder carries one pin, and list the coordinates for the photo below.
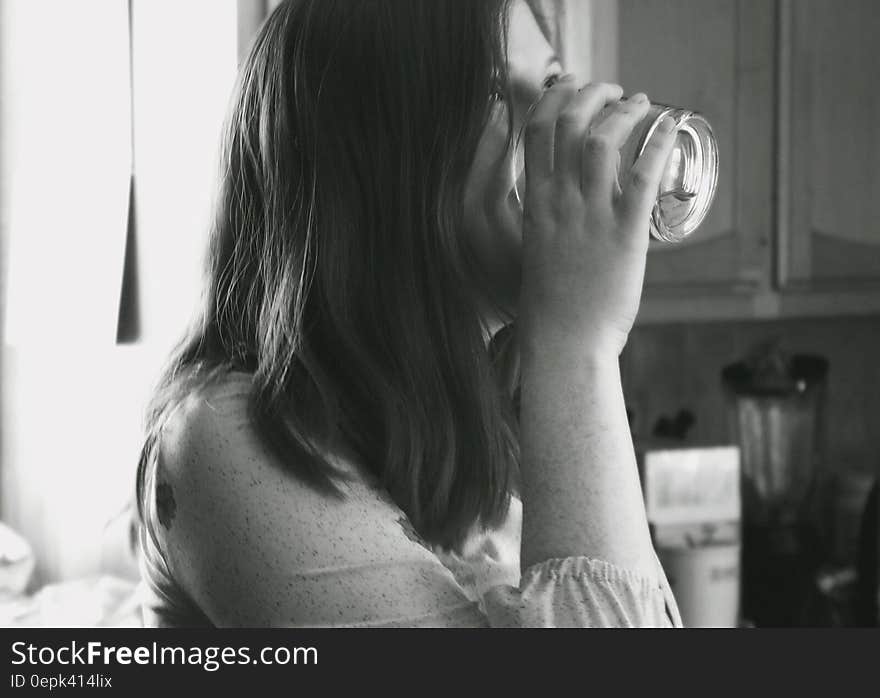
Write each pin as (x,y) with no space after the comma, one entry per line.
(204,436)
(209,447)
(252,544)
(209,408)
(220,471)
(212,425)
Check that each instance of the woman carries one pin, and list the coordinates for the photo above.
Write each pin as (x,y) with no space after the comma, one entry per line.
(331,445)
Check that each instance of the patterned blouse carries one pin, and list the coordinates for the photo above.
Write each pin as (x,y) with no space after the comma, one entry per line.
(358,562)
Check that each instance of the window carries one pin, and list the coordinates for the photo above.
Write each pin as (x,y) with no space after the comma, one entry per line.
(91,92)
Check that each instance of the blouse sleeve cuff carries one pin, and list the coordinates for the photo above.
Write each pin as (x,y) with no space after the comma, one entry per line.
(584,592)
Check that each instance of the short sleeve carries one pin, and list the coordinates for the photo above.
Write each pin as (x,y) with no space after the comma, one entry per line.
(581,592)
(566,592)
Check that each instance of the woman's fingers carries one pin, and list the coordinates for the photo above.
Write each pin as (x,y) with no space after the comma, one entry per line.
(540,130)
(573,127)
(602,148)
(560,143)
(643,183)
(618,120)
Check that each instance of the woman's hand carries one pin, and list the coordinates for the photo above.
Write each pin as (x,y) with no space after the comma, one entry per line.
(585,234)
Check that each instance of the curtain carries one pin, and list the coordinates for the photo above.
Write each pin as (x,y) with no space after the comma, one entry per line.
(81,105)
(66,160)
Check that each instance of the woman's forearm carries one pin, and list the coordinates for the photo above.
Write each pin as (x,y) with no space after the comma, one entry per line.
(580,485)
(585,245)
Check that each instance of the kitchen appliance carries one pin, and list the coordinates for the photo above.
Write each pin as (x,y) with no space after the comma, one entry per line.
(776,416)
(868,567)
(692,501)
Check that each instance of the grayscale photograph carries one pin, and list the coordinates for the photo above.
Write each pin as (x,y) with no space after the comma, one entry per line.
(433,314)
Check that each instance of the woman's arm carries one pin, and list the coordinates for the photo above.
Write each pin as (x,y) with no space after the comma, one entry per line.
(585,243)
(581,490)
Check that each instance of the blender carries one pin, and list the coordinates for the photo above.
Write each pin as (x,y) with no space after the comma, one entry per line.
(775,407)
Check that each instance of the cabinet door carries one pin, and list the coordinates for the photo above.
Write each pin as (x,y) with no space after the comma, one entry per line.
(830,146)
(715,57)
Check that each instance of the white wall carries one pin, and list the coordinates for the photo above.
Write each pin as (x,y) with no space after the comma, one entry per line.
(72,398)
(584,32)
(185,60)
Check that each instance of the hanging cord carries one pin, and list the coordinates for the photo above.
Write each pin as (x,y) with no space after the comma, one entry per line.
(128,319)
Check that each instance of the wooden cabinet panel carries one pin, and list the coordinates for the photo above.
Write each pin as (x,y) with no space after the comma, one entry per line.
(830,145)
(717,58)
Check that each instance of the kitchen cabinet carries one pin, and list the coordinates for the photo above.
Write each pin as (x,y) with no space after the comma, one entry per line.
(791,92)
(830,230)
(695,54)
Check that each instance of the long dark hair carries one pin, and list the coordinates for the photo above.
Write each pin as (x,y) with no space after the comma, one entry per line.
(337,273)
